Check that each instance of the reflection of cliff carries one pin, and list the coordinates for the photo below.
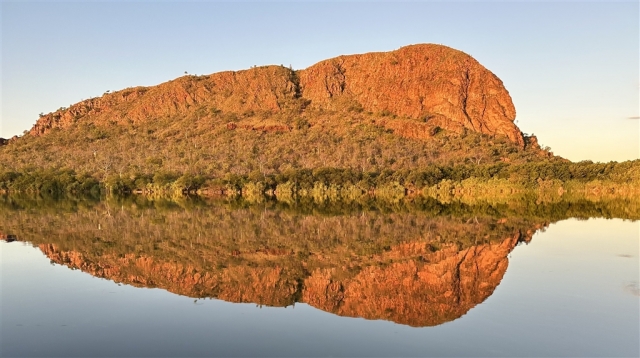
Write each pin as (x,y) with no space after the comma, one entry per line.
(417,268)
(436,288)
(415,262)
(443,288)
(413,283)
(273,286)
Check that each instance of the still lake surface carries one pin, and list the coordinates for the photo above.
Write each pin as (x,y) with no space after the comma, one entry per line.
(191,278)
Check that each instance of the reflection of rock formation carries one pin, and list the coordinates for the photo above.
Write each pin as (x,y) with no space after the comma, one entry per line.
(443,288)
(411,283)
(417,268)
(273,286)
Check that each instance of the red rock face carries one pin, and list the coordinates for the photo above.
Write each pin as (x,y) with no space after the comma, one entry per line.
(258,89)
(433,84)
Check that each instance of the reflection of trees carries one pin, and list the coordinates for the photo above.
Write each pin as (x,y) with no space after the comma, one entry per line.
(420,263)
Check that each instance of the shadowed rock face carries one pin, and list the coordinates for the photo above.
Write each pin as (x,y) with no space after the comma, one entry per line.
(437,85)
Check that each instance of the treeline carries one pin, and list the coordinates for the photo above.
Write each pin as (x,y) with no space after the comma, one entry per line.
(530,207)
(324,183)
(49,181)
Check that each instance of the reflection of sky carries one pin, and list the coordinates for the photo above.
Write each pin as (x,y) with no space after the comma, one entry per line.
(571,67)
(563,294)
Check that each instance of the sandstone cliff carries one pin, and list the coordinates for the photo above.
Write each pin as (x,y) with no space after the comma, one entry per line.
(433,83)
(259,89)
(426,86)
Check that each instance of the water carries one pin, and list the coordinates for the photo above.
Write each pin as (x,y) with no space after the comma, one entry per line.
(159,278)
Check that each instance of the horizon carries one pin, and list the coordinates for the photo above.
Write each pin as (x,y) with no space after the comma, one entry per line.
(574,85)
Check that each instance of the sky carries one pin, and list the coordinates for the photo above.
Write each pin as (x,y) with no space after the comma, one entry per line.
(572,68)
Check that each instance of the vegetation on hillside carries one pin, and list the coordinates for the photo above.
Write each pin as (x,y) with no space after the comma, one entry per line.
(215,143)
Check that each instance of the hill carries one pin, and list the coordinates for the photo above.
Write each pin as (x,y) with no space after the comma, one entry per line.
(412,108)
(434,84)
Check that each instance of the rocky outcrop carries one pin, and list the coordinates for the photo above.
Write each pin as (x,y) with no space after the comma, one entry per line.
(432,83)
(426,86)
(266,88)
(3,141)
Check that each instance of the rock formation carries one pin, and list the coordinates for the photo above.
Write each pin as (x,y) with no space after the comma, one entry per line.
(425,86)
(432,83)
(258,89)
